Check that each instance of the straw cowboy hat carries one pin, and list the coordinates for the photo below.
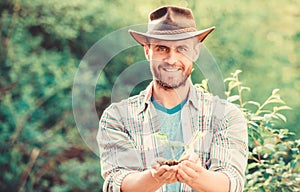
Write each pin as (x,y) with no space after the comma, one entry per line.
(170,23)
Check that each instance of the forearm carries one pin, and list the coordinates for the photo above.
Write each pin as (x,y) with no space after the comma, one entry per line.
(201,179)
(140,180)
(213,181)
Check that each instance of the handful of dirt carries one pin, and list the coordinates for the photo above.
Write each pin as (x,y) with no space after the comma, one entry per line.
(167,162)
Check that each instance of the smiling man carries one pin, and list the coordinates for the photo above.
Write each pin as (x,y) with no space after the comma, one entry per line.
(171,63)
(173,106)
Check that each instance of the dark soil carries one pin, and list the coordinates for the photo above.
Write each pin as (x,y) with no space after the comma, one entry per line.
(168,162)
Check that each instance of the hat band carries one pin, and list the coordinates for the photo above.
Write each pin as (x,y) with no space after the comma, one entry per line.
(177,31)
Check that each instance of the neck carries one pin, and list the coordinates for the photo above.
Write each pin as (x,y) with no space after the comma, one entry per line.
(170,98)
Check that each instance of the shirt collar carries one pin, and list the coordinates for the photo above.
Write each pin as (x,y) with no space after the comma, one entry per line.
(194,97)
(146,98)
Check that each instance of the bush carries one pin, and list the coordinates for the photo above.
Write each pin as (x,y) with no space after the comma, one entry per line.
(274,159)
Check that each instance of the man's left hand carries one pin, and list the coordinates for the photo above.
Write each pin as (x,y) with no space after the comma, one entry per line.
(190,170)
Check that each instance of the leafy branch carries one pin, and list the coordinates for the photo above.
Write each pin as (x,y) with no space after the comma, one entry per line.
(273,157)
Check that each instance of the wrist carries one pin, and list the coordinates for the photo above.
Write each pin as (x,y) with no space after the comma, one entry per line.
(151,183)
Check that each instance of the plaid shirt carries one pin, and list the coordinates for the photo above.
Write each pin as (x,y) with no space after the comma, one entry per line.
(128,143)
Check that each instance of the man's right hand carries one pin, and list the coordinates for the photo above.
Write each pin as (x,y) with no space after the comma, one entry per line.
(164,174)
(151,179)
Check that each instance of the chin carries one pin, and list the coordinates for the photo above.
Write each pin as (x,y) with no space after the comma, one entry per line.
(168,86)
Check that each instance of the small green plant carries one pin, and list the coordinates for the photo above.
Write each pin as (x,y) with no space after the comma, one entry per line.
(172,144)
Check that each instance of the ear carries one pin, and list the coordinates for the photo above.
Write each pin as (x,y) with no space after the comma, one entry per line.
(147,51)
(197,48)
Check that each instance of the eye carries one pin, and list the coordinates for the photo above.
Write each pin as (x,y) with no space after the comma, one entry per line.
(182,49)
(161,48)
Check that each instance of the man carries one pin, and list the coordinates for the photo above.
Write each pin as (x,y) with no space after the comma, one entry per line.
(172,107)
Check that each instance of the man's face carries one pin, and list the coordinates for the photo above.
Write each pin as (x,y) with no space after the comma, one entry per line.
(172,61)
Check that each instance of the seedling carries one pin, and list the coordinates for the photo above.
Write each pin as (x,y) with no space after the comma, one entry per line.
(172,144)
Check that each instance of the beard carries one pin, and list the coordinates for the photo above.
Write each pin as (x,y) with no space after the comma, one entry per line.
(170,80)
(171,84)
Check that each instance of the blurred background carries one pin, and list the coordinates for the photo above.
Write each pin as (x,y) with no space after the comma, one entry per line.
(43,42)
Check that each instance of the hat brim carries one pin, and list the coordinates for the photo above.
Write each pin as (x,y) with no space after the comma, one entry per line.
(142,38)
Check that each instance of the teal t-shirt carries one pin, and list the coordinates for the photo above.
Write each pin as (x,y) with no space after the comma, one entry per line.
(170,125)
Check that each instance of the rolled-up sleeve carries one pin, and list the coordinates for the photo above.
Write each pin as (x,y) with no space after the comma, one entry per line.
(118,154)
(229,151)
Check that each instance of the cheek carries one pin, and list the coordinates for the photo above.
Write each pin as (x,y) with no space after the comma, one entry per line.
(153,66)
(188,57)
(189,68)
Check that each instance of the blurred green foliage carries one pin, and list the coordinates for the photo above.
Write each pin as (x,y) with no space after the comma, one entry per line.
(274,158)
(42,43)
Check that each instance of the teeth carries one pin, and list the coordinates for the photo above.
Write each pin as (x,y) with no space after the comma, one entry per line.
(171,69)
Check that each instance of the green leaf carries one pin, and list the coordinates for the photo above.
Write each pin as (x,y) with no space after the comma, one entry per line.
(256,118)
(275,100)
(161,135)
(233,84)
(253,165)
(233,98)
(245,88)
(270,171)
(253,124)
(282,117)
(236,73)
(229,79)
(275,91)
(270,147)
(265,111)
(253,103)
(282,108)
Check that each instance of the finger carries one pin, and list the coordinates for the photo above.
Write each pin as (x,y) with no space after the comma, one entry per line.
(162,169)
(165,171)
(179,177)
(173,168)
(165,174)
(174,179)
(168,175)
(156,163)
(193,157)
(188,170)
(182,176)
(195,166)
(170,178)
(158,172)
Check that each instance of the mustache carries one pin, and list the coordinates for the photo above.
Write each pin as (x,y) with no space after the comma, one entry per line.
(168,65)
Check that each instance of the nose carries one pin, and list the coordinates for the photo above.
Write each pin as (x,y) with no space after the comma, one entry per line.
(171,57)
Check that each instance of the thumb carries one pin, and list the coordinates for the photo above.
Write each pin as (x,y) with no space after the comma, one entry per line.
(193,157)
